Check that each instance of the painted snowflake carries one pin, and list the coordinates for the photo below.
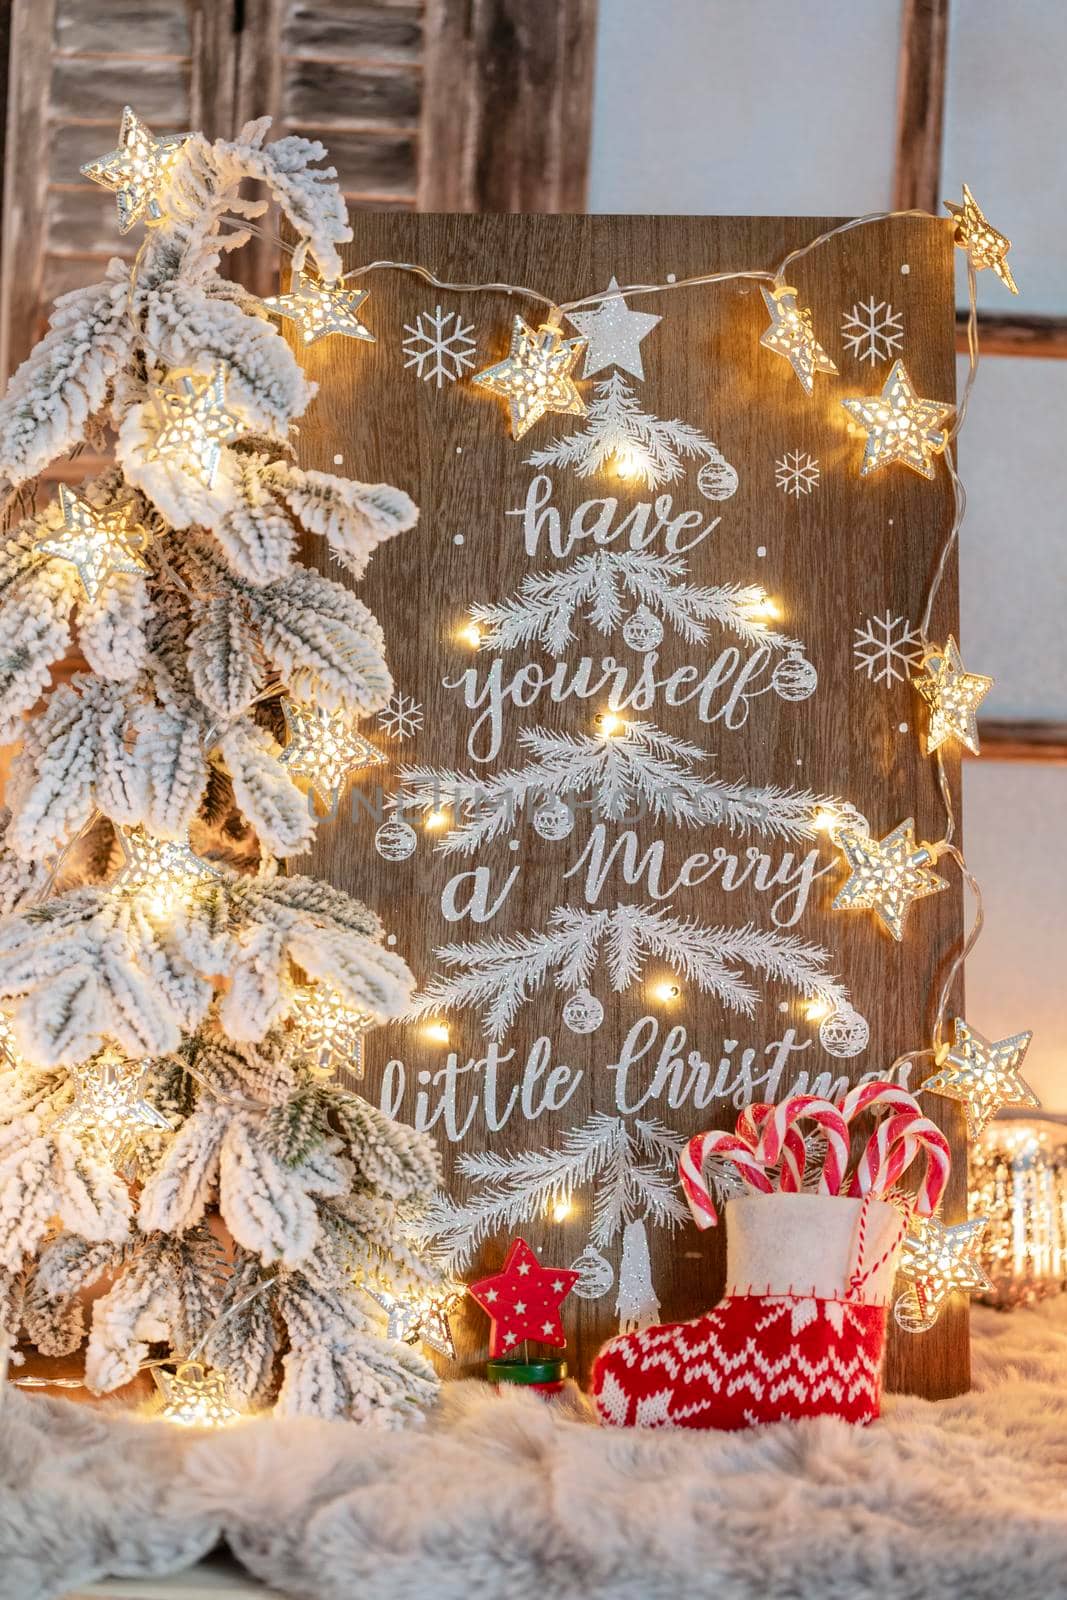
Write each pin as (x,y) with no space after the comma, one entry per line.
(439,345)
(872,331)
(402,717)
(796,473)
(886,648)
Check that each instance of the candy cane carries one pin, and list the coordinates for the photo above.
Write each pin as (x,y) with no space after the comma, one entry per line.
(794,1151)
(890,1151)
(863,1098)
(866,1095)
(827,1117)
(691,1168)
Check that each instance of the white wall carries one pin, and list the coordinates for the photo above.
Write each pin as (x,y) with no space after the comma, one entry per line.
(766,106)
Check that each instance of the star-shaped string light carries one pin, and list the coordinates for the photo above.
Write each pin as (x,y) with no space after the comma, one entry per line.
(420,1321)
(953,697)
(194,423)
(96,543)
(791,335)
(319,309)
(613,334)
(195,1397)
(330,1031)
(522,1301)
(109,1105)
(137,169)
(163,871)
(900,425)
(324,748)
(975,234)
(535,376)
(937,1258)
(887,875)
(983,1074)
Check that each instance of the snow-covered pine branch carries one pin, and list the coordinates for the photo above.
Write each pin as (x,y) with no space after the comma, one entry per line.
(640,772)
(651,451)
(544,609)
(166,723)
(504,973)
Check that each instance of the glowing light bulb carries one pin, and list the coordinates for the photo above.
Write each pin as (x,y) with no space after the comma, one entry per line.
(535,376)
(816,1010)
(762,608)
(471,635)
(437,1031)
(825,820)
(562,1208)
(626,464)
(665,992)
(608,725)
(195,1397)
(436,819)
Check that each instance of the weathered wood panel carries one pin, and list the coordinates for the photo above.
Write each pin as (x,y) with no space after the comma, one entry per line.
(1043,337)
(341,94)
(1023,741)
(507,105)
(921,78)
(333,28)
(831,559)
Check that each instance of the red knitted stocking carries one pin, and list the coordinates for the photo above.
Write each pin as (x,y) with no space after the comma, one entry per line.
(753,1359)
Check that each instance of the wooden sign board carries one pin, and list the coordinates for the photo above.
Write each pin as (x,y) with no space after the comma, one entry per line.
(549,930)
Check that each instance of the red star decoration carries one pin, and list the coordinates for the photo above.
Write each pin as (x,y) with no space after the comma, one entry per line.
(522,1301)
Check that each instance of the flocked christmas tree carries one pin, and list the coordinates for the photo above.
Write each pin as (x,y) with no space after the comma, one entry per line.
(172,999)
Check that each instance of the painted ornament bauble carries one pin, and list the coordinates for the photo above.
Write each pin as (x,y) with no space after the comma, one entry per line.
(844,1032)
(395,839)
(583,1012)
(794,678)
(643,631)
(595,1275)
(717,479)
(553,819)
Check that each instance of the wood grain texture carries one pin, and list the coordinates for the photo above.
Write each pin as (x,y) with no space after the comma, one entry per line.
(1043,337)
(507,101)
(1018,740)
(847,552)
(22,261)
(921,77)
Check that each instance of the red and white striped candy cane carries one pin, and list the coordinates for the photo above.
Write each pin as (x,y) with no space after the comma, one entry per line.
(810,1108)
(794,1151)
(879,1093)
(730,1147)
(890,1151)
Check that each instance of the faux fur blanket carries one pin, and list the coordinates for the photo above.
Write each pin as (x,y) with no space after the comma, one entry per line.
(509,1499)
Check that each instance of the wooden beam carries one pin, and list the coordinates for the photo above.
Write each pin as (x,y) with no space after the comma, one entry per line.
(507,102)
(920,104)
(1023,741)
(1008,335)
(22,257)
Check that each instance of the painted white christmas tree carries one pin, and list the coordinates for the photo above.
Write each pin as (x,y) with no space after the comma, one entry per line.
(503,974)
(630,1166)
(603,586)
(639,446)
(639,772)
(155,962)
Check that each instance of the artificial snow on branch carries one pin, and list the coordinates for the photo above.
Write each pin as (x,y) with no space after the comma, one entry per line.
(640,772)
(156,622)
